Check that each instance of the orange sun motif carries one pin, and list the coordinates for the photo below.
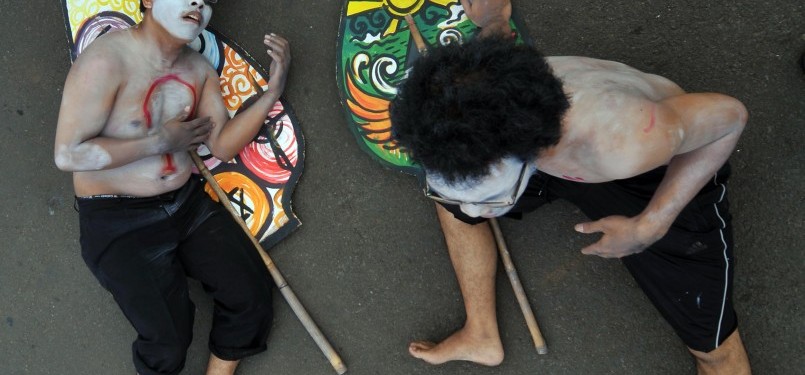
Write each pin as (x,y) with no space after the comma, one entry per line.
(398,9)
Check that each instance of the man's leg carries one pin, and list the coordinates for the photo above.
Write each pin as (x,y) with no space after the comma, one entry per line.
(728,359)
(223,259)
(218,366)
(688,274)
(474,257)
(148,283)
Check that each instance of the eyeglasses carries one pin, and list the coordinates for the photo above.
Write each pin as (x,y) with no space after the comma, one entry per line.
(434,196)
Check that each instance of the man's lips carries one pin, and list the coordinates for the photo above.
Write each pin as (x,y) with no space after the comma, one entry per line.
(193,16)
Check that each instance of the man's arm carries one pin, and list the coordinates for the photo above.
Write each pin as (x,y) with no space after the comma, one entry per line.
(711,125)
(492,16)
(227,140)
(89,95)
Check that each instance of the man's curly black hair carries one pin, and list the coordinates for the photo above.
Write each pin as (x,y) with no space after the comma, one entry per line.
(465,107)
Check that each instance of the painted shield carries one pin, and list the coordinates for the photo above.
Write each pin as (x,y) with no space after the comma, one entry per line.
(260,179)
(376,49)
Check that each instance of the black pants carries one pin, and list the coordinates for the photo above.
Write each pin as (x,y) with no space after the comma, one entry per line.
(142,249)
(688,273)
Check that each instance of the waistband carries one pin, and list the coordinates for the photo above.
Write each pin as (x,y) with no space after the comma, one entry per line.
(177,196)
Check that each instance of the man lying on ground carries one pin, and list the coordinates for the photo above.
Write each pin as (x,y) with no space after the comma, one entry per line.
(134,103)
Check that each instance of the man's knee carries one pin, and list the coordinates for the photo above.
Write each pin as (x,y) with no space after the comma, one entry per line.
(163,358)
(729,358)
(255,303)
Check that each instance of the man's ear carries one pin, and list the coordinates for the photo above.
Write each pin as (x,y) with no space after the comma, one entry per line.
(147,3)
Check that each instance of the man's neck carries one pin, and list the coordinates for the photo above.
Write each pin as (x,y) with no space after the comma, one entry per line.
(159,47)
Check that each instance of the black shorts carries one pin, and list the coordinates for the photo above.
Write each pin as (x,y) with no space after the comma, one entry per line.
(142,249)
(688,273)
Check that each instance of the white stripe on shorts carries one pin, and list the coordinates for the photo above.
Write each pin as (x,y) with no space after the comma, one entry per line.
(726,260)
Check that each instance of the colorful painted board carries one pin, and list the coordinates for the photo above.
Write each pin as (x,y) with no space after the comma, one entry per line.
(376,50)
(261,178)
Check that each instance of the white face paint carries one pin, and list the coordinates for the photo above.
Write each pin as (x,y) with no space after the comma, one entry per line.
(84,157)
(181,18)
(497,186)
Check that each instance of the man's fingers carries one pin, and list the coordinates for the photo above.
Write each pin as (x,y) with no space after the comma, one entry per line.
(276,44)
(182,115)
(598,250)
(275,38)
(200,122)
(467,5)
(589,227)
(590,250)
(277,50)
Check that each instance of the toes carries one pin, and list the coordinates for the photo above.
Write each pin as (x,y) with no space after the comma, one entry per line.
(419,349)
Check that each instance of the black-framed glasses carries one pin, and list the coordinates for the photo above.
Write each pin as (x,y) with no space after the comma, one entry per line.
(434,196)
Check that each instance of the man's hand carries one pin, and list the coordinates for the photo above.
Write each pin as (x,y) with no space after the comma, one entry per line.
(490,15)
(179,135)
(280,53)
(622,236)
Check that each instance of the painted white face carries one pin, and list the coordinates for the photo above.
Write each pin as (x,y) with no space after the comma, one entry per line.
(497,186)
(184,19)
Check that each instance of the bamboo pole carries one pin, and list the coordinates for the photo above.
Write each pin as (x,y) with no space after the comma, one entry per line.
(511,272)
(416,35)
(290,296)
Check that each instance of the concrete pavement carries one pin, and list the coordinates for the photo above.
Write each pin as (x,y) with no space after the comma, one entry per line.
(374,280)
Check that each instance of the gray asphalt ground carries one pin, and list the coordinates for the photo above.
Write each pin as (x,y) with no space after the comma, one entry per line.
(369,262)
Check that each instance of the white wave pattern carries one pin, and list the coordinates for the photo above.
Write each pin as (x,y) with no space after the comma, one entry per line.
(383,67)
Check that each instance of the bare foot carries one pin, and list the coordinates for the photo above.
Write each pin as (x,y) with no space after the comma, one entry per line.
(460,346)
(218,366)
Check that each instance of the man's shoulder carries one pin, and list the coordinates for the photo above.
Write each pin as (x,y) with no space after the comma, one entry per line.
(103,57)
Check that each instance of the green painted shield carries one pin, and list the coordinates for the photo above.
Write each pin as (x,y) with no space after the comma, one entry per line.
(375,51)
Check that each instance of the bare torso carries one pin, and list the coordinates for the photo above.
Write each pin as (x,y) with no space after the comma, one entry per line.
(150,95)
(612,120)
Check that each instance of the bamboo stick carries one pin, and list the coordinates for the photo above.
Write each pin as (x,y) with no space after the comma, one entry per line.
(290,296)
(416,35)
(511,272)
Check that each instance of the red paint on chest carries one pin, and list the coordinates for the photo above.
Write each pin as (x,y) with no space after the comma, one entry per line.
(159,81)
(169,166)
(571,178)
(650,121)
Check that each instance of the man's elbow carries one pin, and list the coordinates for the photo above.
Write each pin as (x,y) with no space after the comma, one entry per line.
(737,112)
(62,160)
(223,156)
(221,153)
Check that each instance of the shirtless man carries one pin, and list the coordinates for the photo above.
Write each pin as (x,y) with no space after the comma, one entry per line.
(500,130)
(134,103)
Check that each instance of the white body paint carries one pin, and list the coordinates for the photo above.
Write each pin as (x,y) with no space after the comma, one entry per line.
(173,16)
(83,157)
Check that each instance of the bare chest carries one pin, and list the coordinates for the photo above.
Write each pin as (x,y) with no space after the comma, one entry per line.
(150,99)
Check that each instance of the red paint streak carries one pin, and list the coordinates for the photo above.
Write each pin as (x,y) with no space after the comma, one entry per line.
(169,167)
(566,177)
(651,121)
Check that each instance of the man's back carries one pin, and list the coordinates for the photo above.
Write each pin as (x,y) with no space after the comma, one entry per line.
(621,122)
